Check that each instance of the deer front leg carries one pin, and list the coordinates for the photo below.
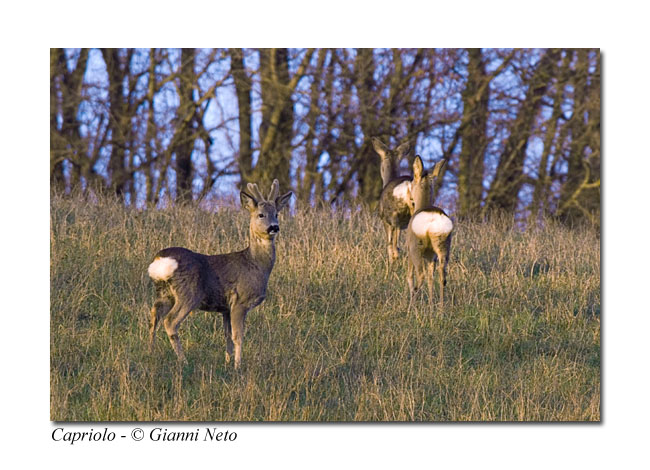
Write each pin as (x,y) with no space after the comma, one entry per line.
(237,319)
(227,330)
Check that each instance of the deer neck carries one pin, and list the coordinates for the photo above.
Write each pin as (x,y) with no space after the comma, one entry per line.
(388,171)
(262,251)
(422,202)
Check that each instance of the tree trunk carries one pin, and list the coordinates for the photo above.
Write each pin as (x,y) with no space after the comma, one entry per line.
(475,110)
(243,89)
(276,130)
(312,153)
(151,129)
(580,194)
(539,205)
(365,160)
(119,125)
(509,179)
(185,132)
(66,142)
(57,141)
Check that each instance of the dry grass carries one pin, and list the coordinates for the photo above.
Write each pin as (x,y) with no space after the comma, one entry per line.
(519,339)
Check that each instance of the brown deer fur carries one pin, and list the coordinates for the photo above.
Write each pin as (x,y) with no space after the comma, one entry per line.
(428,236)
(231,283)
(393,202)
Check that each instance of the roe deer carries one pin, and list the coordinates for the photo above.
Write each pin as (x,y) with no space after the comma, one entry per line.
(393,202)
(232,283)
(428,236)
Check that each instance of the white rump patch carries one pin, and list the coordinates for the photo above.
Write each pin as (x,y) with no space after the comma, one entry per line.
(401,191)
(431,223)
(162,268)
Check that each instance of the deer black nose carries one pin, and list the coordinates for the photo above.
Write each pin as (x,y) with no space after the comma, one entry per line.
(273,229)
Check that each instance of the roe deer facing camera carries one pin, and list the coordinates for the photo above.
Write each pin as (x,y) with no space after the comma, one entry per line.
(232,283)
(393,202)
(428,236)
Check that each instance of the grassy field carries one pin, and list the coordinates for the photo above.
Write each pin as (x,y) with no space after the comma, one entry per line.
(519,338)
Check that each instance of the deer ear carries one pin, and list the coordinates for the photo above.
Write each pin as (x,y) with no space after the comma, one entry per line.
(438,168)
(418,168)
(247,201)
(282,201)
(403,149)
(379,147)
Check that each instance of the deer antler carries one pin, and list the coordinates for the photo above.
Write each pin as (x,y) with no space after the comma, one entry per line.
(255,192)
(275,191)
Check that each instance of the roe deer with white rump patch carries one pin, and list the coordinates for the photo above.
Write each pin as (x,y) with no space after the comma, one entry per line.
(231,283)
(428,236)
(393,202)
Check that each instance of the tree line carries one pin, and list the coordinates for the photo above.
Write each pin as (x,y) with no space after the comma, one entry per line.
(520,127)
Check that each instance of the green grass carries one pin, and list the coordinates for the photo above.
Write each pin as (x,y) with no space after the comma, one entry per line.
(519,338)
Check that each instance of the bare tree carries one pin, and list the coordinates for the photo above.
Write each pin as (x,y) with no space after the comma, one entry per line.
(509,178)
(520,128)
(66,141)
(580,194)
(243,88)
(474,135)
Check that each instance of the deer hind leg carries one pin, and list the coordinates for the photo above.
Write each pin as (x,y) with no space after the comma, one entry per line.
(160,309)
(395,240)
(389,242)
(442,250)
(227,330)
(410,274)
(172,322)
(415,272)
(414,278)
(419,274)
(442,280)
(444,263)
(431,266)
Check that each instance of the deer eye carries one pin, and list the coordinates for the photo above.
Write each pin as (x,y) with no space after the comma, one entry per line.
(261,216)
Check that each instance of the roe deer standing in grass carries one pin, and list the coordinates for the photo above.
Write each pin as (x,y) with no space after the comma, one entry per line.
(232,283)
(428,236)
(393,202)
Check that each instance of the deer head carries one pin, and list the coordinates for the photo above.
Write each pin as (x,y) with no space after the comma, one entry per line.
(264,211)
(389,158)
(421,189)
